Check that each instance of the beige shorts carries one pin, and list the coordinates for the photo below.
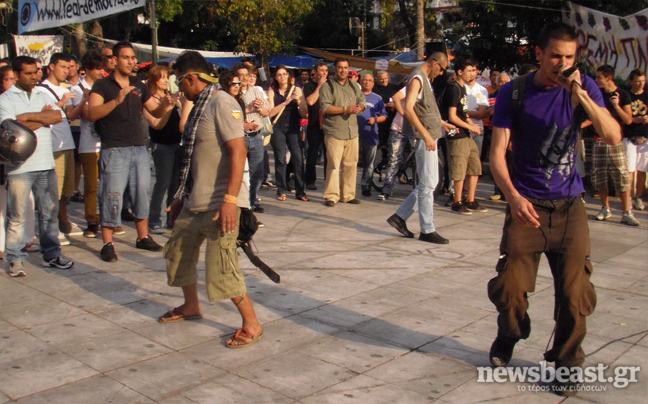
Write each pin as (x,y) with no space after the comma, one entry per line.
(464,159)
(64,167)
(223,277)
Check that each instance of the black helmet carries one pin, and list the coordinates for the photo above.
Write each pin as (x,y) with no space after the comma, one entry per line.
(17,143)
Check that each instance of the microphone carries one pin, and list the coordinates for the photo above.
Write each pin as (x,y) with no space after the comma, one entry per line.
(571,70)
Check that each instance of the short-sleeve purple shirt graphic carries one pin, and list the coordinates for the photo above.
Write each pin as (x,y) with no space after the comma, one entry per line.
(543,138)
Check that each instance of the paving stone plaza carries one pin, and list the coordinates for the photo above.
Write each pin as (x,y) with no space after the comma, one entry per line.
(362,315)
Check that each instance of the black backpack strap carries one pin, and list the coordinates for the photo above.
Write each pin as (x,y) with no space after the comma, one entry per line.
(519,90)
(50,90)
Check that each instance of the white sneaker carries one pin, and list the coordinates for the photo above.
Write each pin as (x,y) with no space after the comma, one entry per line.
(629,219)
(638,203)
(604,214)
(62,239)
(16,269)
(74,230)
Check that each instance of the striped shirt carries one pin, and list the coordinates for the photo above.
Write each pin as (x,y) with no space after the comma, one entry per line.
(249,96)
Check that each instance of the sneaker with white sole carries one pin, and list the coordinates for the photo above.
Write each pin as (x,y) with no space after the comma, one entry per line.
(156,229)
(118,230)
(17,269)
(62,239)
(58,262)
(629,219)
(604,214)
(70,229)
(638,203)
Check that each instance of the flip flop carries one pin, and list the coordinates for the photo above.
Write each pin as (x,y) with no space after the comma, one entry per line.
(303,198)
(243,339)
(282,197)
(174,315)
(17,274)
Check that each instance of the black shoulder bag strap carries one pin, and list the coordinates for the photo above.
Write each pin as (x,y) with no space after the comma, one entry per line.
(50,90)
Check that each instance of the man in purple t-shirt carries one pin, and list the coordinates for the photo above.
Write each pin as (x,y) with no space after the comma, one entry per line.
(545,212)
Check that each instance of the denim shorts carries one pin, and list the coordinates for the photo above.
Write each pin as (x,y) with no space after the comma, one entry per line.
(120,167)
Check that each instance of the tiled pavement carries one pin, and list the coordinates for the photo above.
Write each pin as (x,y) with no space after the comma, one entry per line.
(362,315)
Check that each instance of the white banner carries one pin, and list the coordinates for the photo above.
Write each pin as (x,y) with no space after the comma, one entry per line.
(41,14)
(621,42)
(40,47)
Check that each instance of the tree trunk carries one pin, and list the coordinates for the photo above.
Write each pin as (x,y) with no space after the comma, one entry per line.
(420,29)
(411,29)
(79,42)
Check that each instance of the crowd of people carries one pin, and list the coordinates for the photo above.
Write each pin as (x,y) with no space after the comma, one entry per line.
(108,123)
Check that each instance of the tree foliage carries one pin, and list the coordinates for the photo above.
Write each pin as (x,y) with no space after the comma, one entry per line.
(500,34)
(262,27)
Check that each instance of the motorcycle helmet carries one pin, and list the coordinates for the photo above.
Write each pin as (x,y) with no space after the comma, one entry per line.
(17,143)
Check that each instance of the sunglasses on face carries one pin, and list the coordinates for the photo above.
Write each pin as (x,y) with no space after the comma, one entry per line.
(235,83)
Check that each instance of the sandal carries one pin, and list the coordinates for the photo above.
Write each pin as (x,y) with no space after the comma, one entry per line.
(174,315)
(282,197)
(303,198)
(242,338)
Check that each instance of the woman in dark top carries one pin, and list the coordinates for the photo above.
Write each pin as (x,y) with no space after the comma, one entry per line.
(166,133)
(286,131)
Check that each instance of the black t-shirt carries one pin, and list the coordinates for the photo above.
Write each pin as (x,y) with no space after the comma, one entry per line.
(313,110)
(639,104)
(624,99)
(123,126)
(170,134)
(455,96)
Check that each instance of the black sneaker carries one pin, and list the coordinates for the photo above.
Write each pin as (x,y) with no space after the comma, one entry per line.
(460,208)
(258,209)
(501,351)
(58,262)
(330,204)
(127,216)
(366,192)
(91,231)
(383,197)
(433,237)
(399,224)
(77,197)
(108,253)
(147,243)
(474,206)
(354,201)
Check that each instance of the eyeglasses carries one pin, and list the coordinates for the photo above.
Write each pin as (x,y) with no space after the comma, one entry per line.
(235,83)
(184,76)
(443,69)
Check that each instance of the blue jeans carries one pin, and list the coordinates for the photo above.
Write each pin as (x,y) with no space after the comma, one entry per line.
(280,141)
(422,197)
(255,150)
(368,153)
(45,187)
(167,159)
(120,167)
(397,144)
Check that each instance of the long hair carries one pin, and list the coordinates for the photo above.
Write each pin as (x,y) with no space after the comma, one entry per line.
(154,75)
(275,84)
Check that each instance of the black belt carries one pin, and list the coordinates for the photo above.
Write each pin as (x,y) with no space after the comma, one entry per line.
(252,134)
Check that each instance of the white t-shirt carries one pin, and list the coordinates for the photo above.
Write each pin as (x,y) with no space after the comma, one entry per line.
(89,141)
(477,95)
(397,123)
(61,133)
